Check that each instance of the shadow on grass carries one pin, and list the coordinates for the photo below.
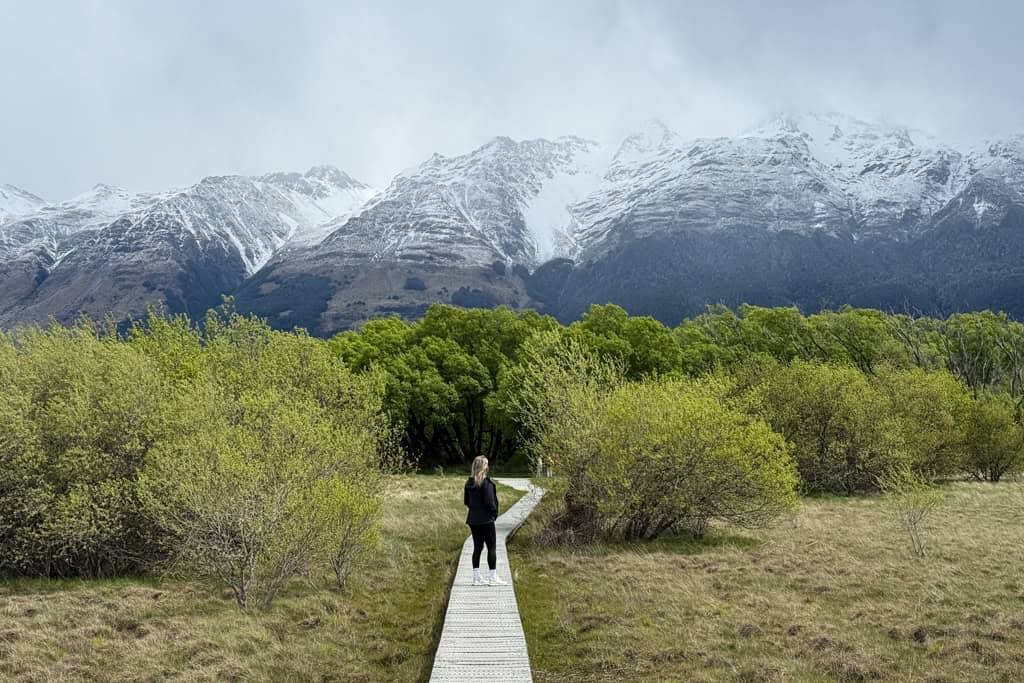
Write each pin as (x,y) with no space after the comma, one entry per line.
(530,534)
(685,544)
(681,544)
(42,586)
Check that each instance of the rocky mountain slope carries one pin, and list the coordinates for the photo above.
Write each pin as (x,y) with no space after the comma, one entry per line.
(450,229)
(476,208)
(108,251)
(812,210)
(815,211)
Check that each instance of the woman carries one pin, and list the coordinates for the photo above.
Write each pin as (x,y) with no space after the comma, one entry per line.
(481,497)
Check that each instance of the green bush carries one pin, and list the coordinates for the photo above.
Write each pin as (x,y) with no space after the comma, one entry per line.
(441,375)
(255,493)
(995,440)
(676,456)
(119,453)
(842,428)
(643,346)
(79,412)
(933,408)
(641,459)
(278,469)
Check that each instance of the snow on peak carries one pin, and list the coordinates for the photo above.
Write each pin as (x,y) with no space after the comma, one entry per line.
(527,201)
(549,218)
(892,173)
(257,217)
(333,197)
(333,175)
(1011,148)
(840,141)
(319,180)
(252,217)
(103,200)
(16,202)
(505,200)
(649,138)
(501,144)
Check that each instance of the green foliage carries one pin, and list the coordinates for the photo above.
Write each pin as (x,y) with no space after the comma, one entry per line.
(642,458)
(254,492)
(643,345)
(972,345)
(933,408)
(90,422)
(117,452)
(677,456)
(555,393)
(351,528)
(454,378)
(781,333)
(79,412)
(856,335)
(278,467)
(843,432)
(720,337)
(919,339)
(995,439)
(848,428)
(441,376)
(172,343)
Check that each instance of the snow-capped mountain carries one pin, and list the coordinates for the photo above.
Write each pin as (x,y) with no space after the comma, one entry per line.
(249,218)
(896,177)
(15,202)
(506,201)
(323,195)
(657,182)
(810,210)
(48,229)
(815,210)
(999,163)
(829,173)
(111,250)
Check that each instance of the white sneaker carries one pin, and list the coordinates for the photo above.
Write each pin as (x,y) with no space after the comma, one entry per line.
(479,582)
(495,581)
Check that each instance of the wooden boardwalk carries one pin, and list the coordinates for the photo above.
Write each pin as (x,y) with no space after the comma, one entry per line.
(483,637)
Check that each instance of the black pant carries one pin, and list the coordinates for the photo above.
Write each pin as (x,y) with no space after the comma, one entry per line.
(484,533)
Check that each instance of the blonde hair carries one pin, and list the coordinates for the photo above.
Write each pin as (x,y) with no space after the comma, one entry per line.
(480,469)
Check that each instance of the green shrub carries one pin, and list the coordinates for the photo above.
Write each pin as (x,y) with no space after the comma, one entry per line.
(842,429)
(675,455)
(79,411)
(640,459)
(995,440)
(235,446)
(255,493)
(933,408)
(278,470)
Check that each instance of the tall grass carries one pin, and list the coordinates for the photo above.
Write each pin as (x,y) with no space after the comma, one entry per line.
(384,627)
(833,593)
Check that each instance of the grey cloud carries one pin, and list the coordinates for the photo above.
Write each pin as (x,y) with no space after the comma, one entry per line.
(151,95)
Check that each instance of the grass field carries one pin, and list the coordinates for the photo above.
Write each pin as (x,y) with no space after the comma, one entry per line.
(383,628)
(834,593)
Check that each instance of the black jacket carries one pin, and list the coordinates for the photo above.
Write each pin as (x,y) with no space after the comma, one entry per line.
(482,501)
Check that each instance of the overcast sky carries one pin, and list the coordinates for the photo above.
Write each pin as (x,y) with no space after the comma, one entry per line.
(149,95)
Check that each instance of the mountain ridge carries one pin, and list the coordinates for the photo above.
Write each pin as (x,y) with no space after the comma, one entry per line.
(838,208)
